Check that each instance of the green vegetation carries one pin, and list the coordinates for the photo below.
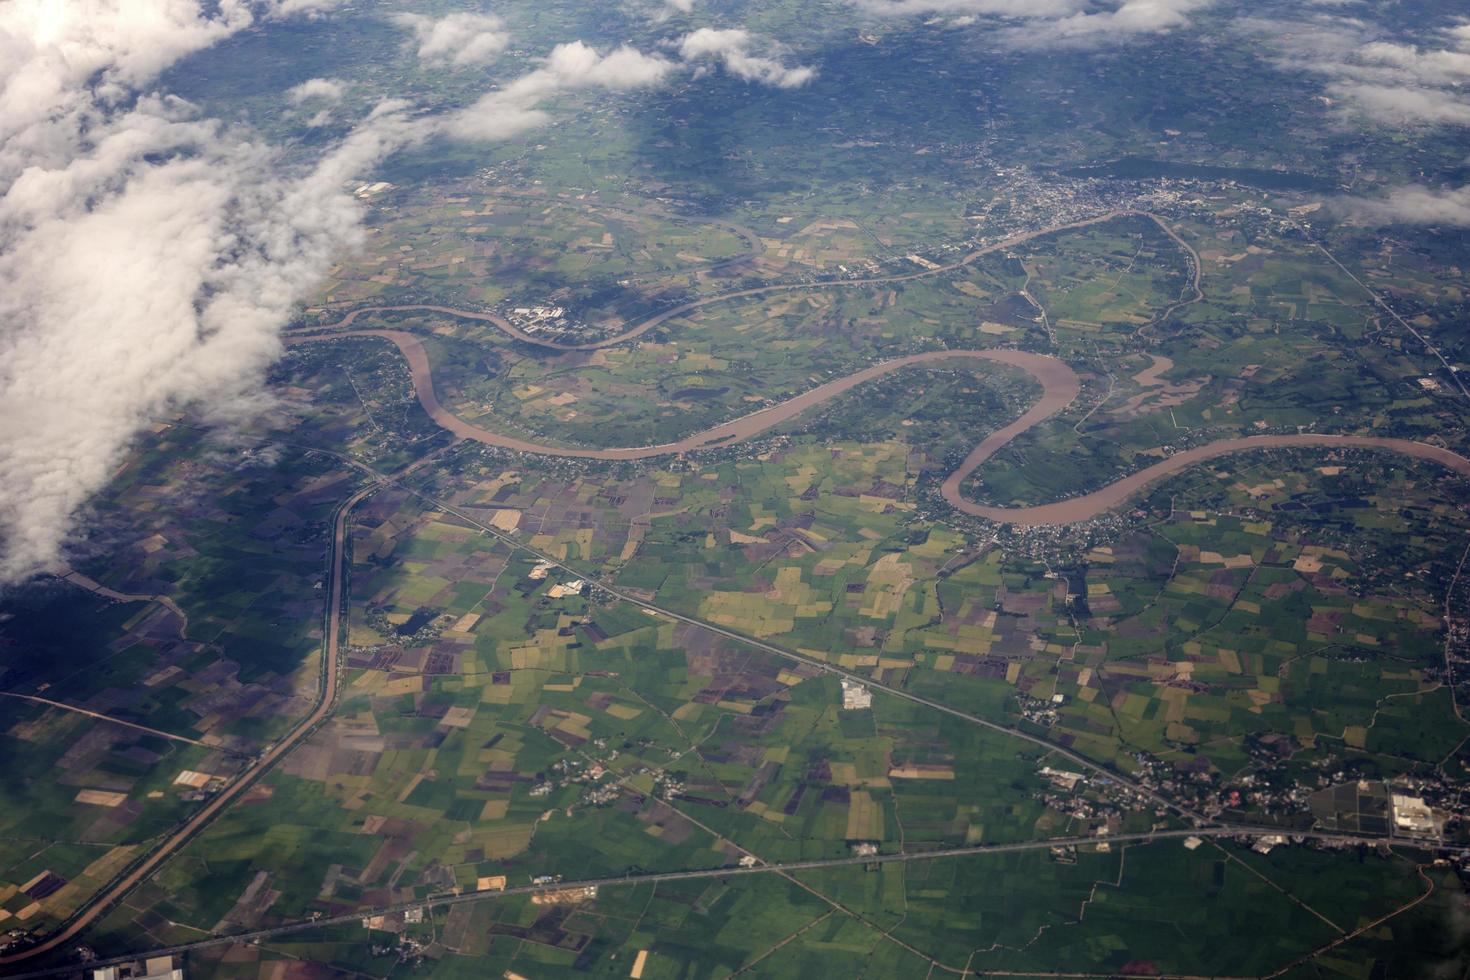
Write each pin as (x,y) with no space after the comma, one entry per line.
(1262,639)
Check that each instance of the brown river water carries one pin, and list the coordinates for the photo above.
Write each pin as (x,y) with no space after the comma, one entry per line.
(1060,387)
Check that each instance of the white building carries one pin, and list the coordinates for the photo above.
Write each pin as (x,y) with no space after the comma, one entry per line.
(855,696)
(1411,815)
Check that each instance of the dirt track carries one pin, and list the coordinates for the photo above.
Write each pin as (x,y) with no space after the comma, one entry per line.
(1059,387)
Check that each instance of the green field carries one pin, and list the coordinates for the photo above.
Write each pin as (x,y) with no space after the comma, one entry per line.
(792,649)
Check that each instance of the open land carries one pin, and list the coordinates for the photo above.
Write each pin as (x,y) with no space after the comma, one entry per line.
(1015,572)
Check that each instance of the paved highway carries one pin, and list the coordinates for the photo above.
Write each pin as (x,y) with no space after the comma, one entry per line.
(36,699)
(449,899)
(822,665)
(1060,387)
(326,699)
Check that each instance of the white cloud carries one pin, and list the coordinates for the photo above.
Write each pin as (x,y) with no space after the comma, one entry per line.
(150,271)
(1130,18)
(148,256)
(320,89)
(1397,105)
(1438,67)
(576,65)
(1040,23)
(1019,9)
(659,11)
(144,260)
(1391,83)
(311,9)
(456,39)
(63,63)
(1412,205)
(732,48)
(515,108)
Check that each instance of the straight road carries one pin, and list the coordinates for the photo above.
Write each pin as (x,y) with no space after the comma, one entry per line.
(449,900)
(1382,304)
(791,655)
(326,699)
(37,699)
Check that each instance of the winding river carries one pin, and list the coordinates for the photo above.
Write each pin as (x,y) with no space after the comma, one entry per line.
(1060,387)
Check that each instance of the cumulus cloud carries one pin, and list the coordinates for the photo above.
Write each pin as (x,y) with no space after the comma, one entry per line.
(516,107)
(732,49)
(47,88)
(1051,22)
(168,291)
(576,65)
(1431,66)
(311,9)
(113,217)
(456,39)
(316,89)
(1390,82)
(1401,104)
(1411,205)
(1130,18)
(659,11)
(148,255)
(1017,9)
(1036,23)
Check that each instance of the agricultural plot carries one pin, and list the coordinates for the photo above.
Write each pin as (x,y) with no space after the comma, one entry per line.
(1236,643)
(500,723)
(1278,646)
(468,245)
(234,535)
(1130,910)
(1281,341)
(231,536)
(353,397)
(1261,639)
(83,798)
(1156,908)
(1209,643)
(1100,285)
